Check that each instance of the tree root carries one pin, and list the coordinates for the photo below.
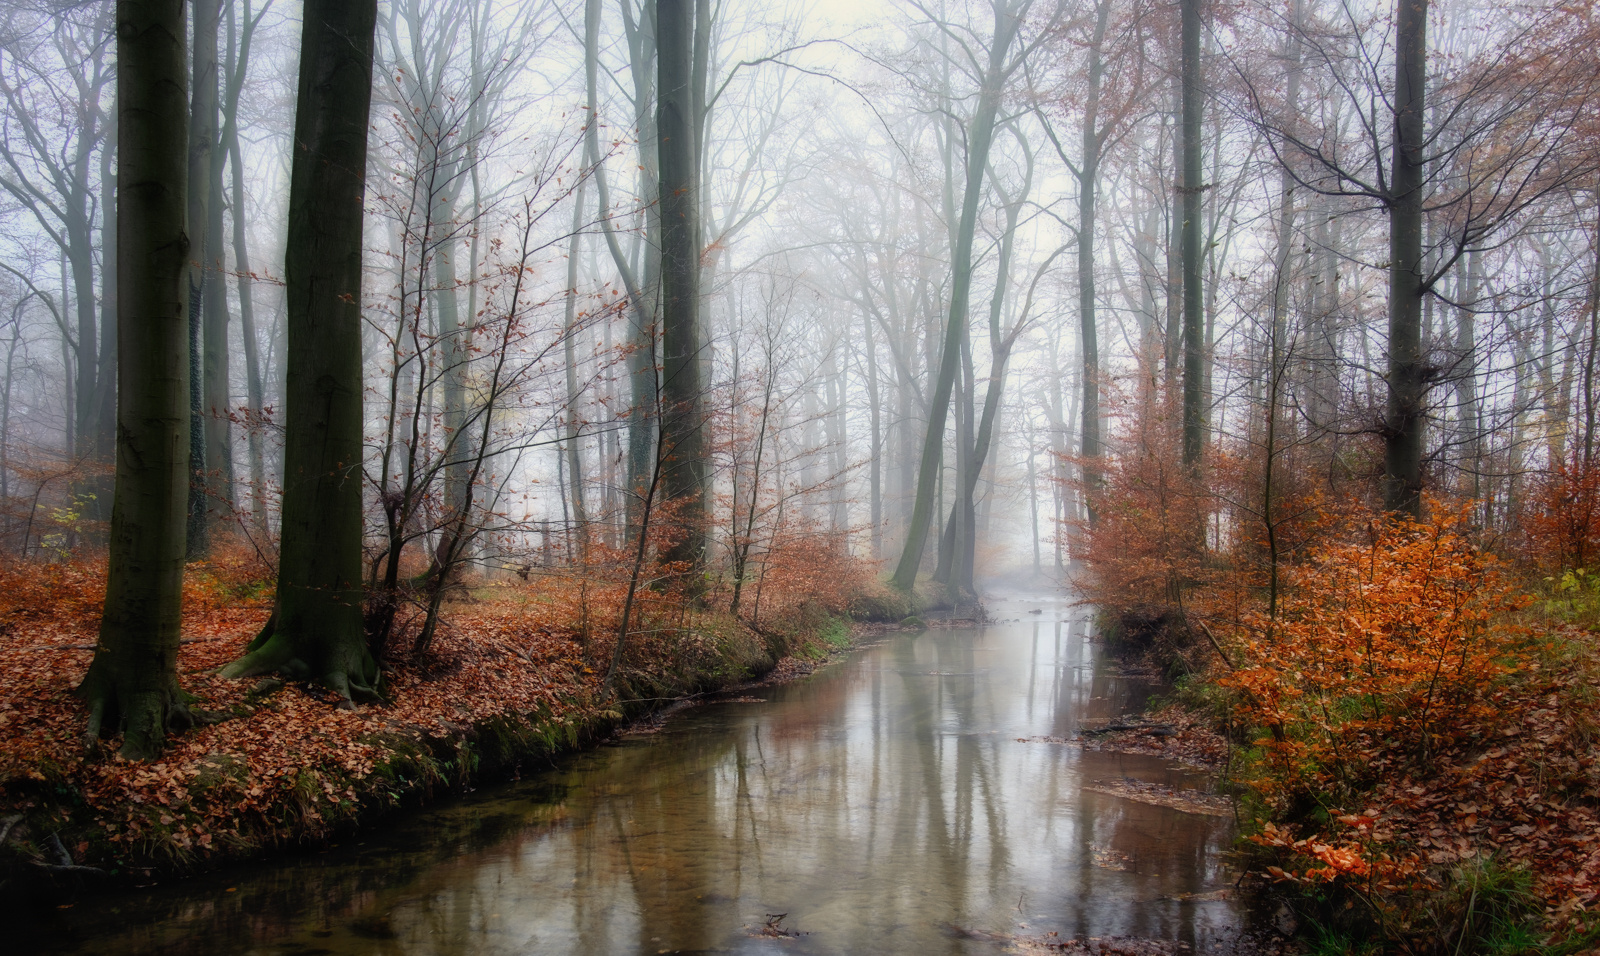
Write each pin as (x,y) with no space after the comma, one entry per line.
(266,657)
(143,717)
(64,865)
(276,655)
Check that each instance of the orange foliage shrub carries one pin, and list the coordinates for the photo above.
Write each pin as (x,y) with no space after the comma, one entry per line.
(1144,550)
(1563,526)
(806,567)
(1381,654)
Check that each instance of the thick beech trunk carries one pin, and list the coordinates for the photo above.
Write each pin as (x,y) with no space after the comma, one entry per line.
(682,434)
(316,631)
(132,684)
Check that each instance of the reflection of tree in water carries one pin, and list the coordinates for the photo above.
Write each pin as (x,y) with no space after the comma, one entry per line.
(875,803)
(340,891)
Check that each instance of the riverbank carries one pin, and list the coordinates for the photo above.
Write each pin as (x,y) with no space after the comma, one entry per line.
(924,755)
(512,680)
(1409,735)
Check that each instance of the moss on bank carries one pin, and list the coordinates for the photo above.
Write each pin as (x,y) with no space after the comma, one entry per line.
(263,787)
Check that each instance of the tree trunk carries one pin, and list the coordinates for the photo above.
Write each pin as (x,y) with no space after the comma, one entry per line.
(980,136)
(202,143)
(1194,426)
(105,437)
(875,424)
(456,340)
(216,401)
(1277,372)
(1469,415)
(132,684)
(317,627)
(1407,376)
(1174,285)
(976,437)
(569,348)
(1088,184)
(239,43)
(255,394)
(682,435)
(642,355)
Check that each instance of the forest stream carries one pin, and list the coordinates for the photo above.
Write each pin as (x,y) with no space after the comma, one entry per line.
(923,795)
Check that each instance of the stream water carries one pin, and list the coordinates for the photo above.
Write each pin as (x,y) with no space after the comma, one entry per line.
(894,802)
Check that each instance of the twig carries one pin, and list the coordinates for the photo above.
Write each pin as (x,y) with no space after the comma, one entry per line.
(1214,643)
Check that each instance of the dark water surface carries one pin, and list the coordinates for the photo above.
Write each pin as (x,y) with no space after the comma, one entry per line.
(885,804)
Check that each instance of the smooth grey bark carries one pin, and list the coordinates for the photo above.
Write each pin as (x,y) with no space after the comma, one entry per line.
(1059,417)
(875,427)
(105,419)
(1406,376)
(1033,504)
(316,628)
(456,339)
(1172,369)
(132,683)
(1088,329)
(1001,343)
(69,422)
(202,145)
(569,350)
(1194,425)
(1591,401)
(839,438)
(980,135)
(12,347)
(682,430)
(641,294)
(1556,407)
(1086,171)
(217,404)
(977,436)
(645,334)
(239,44)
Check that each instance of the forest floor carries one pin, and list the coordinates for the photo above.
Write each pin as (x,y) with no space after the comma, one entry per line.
(1490,844)
(512,678)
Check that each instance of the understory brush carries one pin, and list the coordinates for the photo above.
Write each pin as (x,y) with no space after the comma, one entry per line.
(1414,734)
(1411,708)
(1424,767)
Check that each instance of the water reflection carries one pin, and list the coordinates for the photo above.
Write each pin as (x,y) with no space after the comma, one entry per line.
(879,804)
